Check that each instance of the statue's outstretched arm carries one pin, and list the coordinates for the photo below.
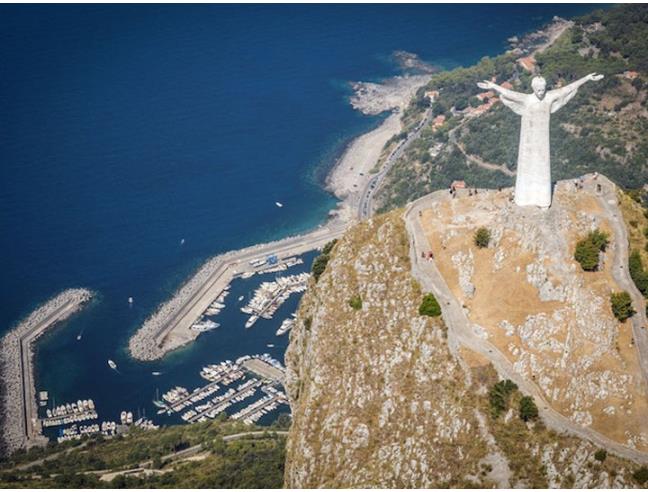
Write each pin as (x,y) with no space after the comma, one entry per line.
(509,94)
(560,97)
(515,101)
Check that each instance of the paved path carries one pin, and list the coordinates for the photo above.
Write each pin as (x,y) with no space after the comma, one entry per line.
(460,331)
(609,200)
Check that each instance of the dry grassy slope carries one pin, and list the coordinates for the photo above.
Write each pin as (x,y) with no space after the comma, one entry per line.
(377,398)
(378,401)
(549,318)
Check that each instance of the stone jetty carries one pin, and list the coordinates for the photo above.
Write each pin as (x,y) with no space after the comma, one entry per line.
(18,407)
(170,326)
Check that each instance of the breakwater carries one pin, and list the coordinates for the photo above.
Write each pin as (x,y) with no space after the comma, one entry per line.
(18,410)
(170,326)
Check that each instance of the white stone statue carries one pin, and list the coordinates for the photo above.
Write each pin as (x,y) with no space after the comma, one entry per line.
(533,181)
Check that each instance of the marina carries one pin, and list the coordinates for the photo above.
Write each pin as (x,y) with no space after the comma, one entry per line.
(226,395)
(242,380)
(271,295)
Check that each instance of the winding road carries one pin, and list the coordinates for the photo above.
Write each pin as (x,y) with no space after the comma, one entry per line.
(365,207)
(461,332)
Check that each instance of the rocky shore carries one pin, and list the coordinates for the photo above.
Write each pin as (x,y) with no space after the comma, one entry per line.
(18,398)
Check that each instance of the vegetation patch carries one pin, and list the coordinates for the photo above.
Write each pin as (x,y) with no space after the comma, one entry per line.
(600,455)
(528,409)
(641,475)
(588,249)
(482,237)
(356,302)
(320,262)
(499,395)
(637,272)
(621,303)
(430,306)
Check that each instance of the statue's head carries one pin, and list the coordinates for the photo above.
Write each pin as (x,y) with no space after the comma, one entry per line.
(539,86)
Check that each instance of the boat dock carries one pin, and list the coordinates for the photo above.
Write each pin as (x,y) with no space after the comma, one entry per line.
(170,326)
(271,295)
(221,403)
(253,412)
(265,368)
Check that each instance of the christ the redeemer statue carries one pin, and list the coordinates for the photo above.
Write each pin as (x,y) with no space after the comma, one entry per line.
(533,181)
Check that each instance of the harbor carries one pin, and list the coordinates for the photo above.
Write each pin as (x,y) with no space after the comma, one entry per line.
(135,386)
(231,384)
(171,325)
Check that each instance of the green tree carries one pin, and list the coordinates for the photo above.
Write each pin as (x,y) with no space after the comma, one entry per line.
(588,248)
(528,409)
(641,475)
(319,265)
(621,305)
(482,237)
(587,255)
(328,247)
(499,395)
(637,273)
(429,306)
(600,455)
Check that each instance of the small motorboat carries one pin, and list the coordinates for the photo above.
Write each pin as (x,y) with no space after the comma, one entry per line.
(279,204)
(112,364)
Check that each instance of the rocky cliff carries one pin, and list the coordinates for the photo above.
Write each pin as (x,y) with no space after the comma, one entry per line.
(380,398)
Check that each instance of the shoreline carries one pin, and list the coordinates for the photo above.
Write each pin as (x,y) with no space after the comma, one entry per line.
(18,405)
(169,327)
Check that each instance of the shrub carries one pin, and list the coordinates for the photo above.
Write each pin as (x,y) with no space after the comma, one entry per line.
(587,250)
(600,455)
(641,475)
(637,273)
(621,305)
(528,409)
(498,396)
(429,306)
(587,255)
(326,250)
(482,237)
(356,302)
(319,265)
(320,262)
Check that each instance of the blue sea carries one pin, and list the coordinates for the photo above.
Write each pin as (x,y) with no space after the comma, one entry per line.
(127,128)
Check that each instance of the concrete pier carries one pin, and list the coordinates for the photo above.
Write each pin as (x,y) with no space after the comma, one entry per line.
(20,424)
(170,327)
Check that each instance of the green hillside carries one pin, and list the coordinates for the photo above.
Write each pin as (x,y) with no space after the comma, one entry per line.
(602,129)
(184,456)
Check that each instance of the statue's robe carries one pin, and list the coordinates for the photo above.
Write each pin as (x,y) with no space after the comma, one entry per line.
(533,180)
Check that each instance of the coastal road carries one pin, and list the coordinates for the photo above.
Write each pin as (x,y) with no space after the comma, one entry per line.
(365,207)
(460,331)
